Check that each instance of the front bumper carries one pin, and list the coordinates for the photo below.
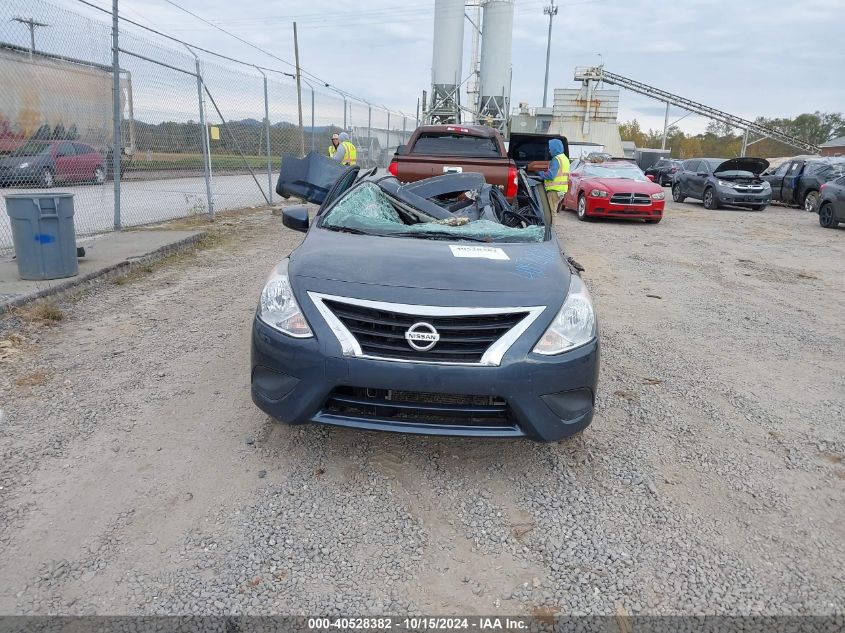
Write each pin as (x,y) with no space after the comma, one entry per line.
(15,177)
(731,196)
(547,397)
(604,208)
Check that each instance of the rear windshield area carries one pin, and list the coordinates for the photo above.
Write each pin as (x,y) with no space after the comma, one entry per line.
(530,149)
(451,144)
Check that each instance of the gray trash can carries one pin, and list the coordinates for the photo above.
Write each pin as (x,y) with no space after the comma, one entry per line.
(43,234)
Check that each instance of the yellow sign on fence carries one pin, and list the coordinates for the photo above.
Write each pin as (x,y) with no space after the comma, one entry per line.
(215,133)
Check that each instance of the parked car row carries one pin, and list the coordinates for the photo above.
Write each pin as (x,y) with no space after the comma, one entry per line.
(799,181)
(46,163)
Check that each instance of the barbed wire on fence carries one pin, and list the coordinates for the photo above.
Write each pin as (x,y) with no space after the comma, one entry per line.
(200,132)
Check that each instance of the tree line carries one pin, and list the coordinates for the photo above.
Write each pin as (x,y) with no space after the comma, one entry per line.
(720,140)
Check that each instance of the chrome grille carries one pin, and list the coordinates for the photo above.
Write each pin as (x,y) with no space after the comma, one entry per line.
(463,339)
(630,198)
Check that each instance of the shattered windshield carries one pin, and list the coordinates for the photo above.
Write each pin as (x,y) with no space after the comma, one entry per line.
(370,210)
(631,172)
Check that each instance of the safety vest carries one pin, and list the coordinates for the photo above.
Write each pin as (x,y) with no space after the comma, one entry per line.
(332,151)
(350,154)
(561,180)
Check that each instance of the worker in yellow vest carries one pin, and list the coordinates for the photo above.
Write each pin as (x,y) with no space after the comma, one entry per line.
(333,146)
(556,179)
(346,153)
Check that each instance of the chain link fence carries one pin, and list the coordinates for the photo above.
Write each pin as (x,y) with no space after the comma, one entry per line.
(198,134)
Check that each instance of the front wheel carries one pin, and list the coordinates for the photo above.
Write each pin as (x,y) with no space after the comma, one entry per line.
(582,208)
(709,199)
(47,179)
(677,194)
(810,201)
(99,176)
(827,217)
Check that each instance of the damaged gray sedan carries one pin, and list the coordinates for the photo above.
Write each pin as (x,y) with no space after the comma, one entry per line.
(434,308)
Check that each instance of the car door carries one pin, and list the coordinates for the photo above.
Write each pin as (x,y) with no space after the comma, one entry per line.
(839,199)
(681,176)
(694,182)
(775,180)
(66,166)
(86,161)
(570,198)
(791,181)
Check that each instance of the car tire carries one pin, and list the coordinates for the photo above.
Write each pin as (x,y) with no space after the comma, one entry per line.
(709,199)
(582,208)
(47,180)
(810,200)
(677,193)
(99,175)
(827,216)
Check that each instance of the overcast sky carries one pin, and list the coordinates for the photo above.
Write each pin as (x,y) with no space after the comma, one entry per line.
(749,57)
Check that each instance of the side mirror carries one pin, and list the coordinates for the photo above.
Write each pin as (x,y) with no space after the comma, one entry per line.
(650,177)
(295,218)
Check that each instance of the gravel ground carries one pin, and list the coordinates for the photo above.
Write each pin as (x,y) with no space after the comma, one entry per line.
(137,476)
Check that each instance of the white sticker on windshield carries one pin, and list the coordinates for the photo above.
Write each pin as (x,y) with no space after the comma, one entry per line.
(482,252)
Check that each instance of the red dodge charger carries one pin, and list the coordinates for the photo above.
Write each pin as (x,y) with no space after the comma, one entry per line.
(613,189)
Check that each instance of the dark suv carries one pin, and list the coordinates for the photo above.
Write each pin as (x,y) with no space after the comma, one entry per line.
(717,182)
(798,181)
(664,170)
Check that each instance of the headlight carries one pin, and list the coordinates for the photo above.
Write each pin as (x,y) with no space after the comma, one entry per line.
(723,183)
(658,196)
(23,165)
(278,307)
(598,193)
(765,184)
(574,325)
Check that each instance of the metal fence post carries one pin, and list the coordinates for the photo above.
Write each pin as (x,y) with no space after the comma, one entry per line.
(369,134)
(206,143)
(313,131)
(267,138)
(404,130)
(117,112)
(387,144)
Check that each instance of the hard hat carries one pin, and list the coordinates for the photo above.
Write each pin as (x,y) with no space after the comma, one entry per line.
(335,136)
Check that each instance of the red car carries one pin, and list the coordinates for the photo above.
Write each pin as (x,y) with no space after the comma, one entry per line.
(613,189)
(45,163)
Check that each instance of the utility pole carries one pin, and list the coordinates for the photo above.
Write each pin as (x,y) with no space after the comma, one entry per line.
(32,24)
(550,11)
(665,127)
(299,90)
(117,112)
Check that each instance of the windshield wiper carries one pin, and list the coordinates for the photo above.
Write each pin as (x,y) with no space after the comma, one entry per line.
(435,235)
(346,229)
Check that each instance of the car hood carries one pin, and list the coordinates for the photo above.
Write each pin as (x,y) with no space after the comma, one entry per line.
(536,272)
(755,165)
(14,161)
(625,184)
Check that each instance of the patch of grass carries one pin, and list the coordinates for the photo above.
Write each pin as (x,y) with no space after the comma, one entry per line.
(42,311)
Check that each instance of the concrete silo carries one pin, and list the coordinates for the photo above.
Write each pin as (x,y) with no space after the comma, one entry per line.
(496,41)
(446,64)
